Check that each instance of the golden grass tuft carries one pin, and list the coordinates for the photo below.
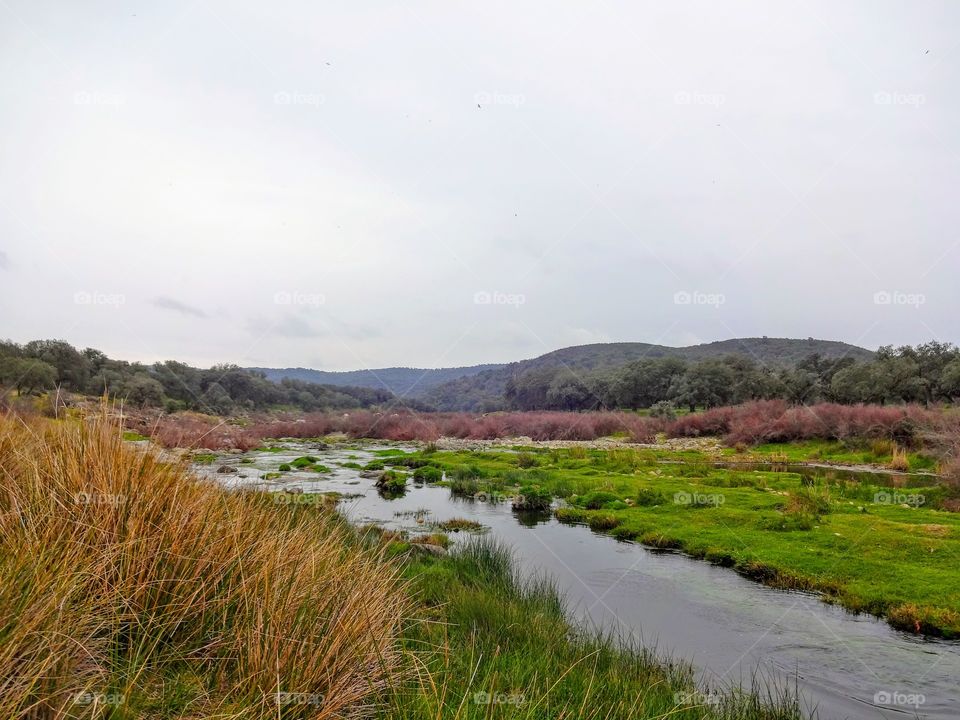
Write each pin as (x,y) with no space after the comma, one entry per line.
(899,460)
(121,574)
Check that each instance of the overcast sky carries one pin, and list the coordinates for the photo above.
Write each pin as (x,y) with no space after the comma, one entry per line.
(431,184)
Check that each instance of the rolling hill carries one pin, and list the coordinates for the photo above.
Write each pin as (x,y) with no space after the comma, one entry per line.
(401,381)
(472,387)
(483,388)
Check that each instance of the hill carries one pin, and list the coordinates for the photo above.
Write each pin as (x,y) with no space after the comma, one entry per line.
(486,389)
(401,381)
(482,386)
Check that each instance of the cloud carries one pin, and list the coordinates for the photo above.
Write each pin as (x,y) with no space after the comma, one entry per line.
(288,325)
(291,325)
(170,304)
(4,261)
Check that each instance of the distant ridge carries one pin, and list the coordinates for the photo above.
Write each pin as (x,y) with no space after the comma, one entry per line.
(459,387)
(401,381)
(468,393)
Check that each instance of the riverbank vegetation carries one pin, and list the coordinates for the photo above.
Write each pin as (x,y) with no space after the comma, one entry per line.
(861,540)
(661,385)
(131,589)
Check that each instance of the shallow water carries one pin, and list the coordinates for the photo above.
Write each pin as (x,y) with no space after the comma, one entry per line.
(730,628)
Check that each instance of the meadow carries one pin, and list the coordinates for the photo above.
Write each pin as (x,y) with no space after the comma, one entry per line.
(872,544)
(129,588)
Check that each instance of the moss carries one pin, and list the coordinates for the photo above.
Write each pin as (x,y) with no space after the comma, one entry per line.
(392,482)
(533,498)
(428,473)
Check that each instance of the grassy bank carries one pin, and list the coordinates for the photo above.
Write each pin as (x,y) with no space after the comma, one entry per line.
(868,546)
(499,646)
(130,589)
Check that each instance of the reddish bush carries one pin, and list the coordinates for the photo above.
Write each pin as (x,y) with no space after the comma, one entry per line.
(774,421)
(747,424)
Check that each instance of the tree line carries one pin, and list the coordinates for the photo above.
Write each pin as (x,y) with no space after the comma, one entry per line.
(927,373)
(42,365)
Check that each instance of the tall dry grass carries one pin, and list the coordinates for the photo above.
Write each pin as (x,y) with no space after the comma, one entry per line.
(124,581)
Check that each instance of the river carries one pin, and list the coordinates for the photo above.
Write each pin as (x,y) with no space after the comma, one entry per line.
(731,629)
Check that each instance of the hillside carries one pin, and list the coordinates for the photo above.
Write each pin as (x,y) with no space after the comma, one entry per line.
(485,389)
(482,386)
(401,381)
(762,350)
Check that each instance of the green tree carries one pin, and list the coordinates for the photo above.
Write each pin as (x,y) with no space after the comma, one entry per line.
(709,383)
(71,367)
(949,386)
(27,375)
(142,390)
(858,383)
(642,383)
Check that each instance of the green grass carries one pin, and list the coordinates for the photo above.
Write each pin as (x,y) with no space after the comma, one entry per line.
(852,540)
(839,452)
(307,462)
(134,436)
(458,524)
(498,645)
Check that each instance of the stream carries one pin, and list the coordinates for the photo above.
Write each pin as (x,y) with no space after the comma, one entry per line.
(733,630)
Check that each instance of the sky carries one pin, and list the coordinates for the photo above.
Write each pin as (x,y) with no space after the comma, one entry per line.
(350,185)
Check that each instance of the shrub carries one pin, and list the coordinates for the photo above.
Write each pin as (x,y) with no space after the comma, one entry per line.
(899,461)
(466,472)
(647,497)
(789,521)
(526,460)
(533,497)
(603,521)
(663,410)
(465,487)
(809,501)
(570,515)
(428,473)
(598,500)
(392,482)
